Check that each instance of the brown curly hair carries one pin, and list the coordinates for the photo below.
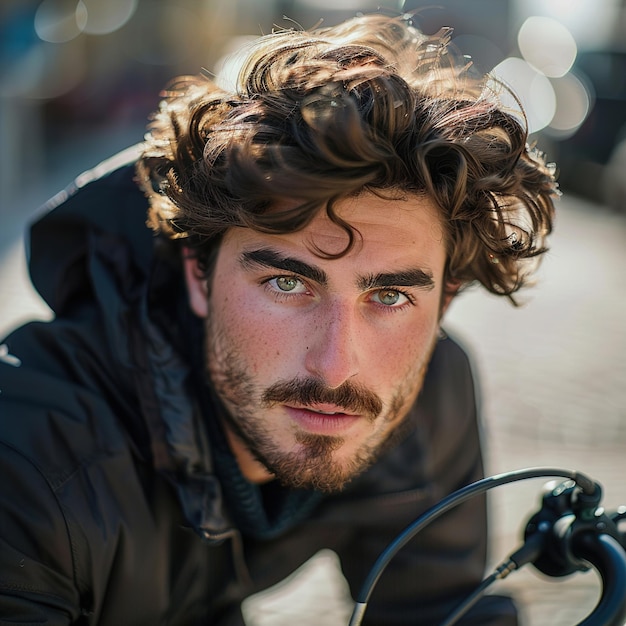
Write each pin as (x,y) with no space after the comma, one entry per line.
(371,104)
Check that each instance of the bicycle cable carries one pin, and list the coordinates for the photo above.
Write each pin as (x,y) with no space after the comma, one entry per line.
(527,553)
(586,484)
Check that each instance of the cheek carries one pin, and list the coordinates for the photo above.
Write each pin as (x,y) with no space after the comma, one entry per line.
(402,351)
(251,331)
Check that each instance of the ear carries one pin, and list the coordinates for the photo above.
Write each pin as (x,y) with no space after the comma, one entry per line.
(450,290)
(197,288)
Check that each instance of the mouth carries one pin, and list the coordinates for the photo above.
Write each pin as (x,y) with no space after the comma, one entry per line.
(322,420)
(323,409)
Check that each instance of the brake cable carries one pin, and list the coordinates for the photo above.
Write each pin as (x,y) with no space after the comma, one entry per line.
(590,490)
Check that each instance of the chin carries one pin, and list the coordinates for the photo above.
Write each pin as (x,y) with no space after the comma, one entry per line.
(319,468)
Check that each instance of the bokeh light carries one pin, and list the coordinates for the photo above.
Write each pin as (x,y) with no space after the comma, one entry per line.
(547,45)
(56,21)
(591,22)
(59,21)
(534,90)
(106,17)
(573,103)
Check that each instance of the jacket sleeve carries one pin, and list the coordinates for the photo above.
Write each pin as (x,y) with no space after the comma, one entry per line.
(443,563)
(36,569)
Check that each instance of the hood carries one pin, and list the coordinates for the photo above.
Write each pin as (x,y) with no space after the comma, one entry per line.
(90,250)
(102,206)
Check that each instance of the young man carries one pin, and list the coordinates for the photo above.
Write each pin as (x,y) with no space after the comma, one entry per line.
(263,374)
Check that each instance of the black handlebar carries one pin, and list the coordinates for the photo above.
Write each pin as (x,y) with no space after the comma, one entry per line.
(574,534)
(606,555)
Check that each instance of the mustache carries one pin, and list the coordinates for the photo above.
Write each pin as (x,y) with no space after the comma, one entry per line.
(349,396)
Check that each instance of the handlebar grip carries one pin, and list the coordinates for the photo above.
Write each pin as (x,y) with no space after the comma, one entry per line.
(607,556)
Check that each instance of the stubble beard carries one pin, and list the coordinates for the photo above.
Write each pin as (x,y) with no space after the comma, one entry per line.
(311,463)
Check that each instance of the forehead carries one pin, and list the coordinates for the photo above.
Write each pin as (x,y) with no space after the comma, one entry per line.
(392,228)
(404,218)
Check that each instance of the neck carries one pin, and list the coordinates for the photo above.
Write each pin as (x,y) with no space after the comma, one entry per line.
(252,469)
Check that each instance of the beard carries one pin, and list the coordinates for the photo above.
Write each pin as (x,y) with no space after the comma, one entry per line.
(311,462)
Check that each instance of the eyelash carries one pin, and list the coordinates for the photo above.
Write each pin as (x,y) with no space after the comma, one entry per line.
(394,309)
(284,295)
(277,293)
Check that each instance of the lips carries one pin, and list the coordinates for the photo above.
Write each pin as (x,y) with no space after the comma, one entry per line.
(323,408)
(322,419)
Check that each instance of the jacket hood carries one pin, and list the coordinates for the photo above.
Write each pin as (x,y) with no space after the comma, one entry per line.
(91,250)
(65,233)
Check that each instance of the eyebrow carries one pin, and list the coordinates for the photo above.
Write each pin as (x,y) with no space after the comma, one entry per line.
(406,278)
(267,257)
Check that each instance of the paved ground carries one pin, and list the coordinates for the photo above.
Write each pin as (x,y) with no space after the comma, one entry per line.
(554,379)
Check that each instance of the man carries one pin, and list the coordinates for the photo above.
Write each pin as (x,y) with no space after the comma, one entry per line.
(262,375)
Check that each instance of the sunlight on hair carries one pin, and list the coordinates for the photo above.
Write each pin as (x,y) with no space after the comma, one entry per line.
(230,63)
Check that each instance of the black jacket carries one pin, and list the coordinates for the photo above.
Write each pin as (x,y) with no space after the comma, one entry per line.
(111,512)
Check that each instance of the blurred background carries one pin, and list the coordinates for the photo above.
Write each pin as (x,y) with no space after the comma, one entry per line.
(78,80)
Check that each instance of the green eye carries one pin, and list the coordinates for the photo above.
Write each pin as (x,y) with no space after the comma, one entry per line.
(389,297)
(287,283)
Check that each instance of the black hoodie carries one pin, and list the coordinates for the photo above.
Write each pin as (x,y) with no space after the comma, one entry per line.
(117,504)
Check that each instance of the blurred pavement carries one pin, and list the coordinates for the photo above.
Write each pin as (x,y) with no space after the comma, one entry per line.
(553,374)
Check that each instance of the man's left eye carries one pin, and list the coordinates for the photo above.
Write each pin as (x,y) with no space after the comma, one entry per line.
(389,297)
(289,284)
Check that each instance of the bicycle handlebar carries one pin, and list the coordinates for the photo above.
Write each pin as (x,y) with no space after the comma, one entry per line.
(569,533)
(606,555)
(576,533)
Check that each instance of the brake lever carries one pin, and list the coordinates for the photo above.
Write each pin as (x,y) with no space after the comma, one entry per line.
(566,511)
(574,533)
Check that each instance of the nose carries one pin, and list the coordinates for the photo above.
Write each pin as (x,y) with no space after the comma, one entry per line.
(332,354)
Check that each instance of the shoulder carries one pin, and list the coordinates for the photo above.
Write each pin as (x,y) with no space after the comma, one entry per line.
(450,390)
(49,417)
(448,415)
(451,363)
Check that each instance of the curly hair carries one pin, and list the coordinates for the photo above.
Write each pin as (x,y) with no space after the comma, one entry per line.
(369,105)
